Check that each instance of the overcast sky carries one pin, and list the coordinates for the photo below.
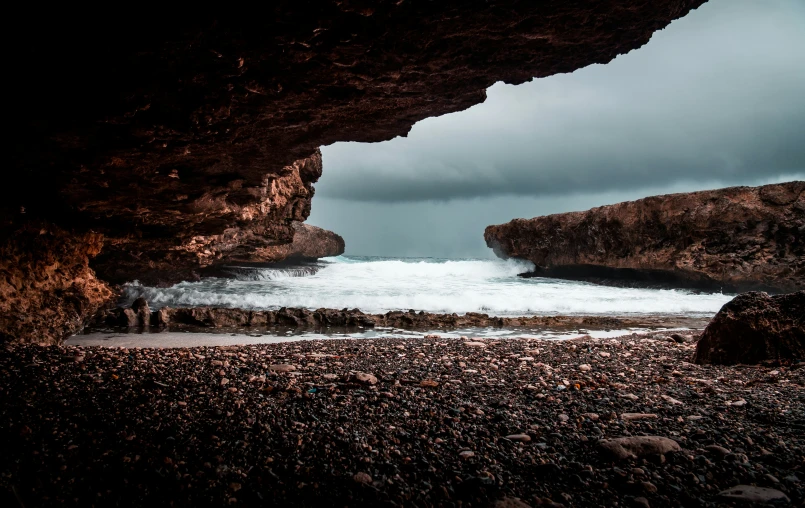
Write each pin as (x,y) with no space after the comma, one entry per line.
(716,99)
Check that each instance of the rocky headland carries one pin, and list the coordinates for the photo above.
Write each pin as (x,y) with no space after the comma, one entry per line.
(175,141)
(735,239)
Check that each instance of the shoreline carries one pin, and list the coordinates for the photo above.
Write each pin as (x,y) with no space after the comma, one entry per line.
(427,422)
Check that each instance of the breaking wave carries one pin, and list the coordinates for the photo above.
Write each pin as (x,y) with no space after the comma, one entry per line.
(380,284)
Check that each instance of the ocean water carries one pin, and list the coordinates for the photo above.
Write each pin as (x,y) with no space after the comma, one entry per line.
(378,285)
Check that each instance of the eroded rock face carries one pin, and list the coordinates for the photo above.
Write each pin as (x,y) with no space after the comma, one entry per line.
(47,289)
(737,238)
(260,231)
(755,327)
(183,141)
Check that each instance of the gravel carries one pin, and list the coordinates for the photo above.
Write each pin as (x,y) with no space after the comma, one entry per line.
(396,422)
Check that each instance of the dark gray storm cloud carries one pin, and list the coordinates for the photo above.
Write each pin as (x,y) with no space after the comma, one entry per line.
(719,94)
(715,99)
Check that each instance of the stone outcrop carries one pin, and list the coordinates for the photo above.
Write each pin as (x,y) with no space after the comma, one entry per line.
(738,238)
(753,328)
(231,318)
(182,139)
(182,247)
(309,244)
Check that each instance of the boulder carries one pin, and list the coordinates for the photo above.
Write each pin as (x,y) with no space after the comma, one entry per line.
(755,327)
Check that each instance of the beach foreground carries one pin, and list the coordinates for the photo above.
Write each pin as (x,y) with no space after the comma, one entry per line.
(396,422)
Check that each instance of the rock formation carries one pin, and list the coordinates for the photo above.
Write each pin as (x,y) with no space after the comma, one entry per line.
(177,140)
(753,328)
(47,290)
(309,243)
(229,318)
(738,238)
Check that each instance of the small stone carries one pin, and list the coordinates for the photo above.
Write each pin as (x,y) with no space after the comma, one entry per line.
(523,438)
(362,477)
(641,501)
(585,367)
(475,344)
(649,487)
(717,450)
(638,446)
(281,367)
(752,494)
(737,403)
(511,502)
(592,416)
(678,338)
(429,383)
(366,378)
(671,400)
(466,454)
(563,417)
(637,416)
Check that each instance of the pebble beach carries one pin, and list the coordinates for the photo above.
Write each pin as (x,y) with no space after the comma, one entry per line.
(399,422)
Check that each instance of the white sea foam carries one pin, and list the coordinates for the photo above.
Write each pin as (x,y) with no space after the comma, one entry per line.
(380,285)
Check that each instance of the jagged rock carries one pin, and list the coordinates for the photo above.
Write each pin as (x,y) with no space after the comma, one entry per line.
(738,238)
(755,327)
(197,139)
(47,290)
(638,446)
(140,308)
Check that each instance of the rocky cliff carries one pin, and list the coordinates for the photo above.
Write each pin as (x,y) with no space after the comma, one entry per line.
(737,238)
(176,140)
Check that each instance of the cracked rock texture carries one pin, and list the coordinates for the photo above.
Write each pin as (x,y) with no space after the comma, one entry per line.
(738,238)
(47,289)
(183,140)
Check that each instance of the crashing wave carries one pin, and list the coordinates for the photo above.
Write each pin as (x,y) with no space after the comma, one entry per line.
(258,274)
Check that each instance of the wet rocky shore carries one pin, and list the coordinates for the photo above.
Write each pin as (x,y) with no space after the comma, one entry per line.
(399,422)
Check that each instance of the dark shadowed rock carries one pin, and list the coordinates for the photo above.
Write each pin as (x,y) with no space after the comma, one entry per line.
(738,238)
(140,308)
(755,327)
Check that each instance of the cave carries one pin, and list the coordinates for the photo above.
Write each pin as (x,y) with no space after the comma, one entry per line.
(151,147)
(164,147)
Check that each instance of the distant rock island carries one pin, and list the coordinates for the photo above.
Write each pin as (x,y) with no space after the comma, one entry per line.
(735,239)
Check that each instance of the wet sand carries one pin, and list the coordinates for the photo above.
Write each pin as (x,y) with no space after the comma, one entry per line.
(394,422)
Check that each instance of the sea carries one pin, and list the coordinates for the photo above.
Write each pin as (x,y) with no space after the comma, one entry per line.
(379,284)
(382,284)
